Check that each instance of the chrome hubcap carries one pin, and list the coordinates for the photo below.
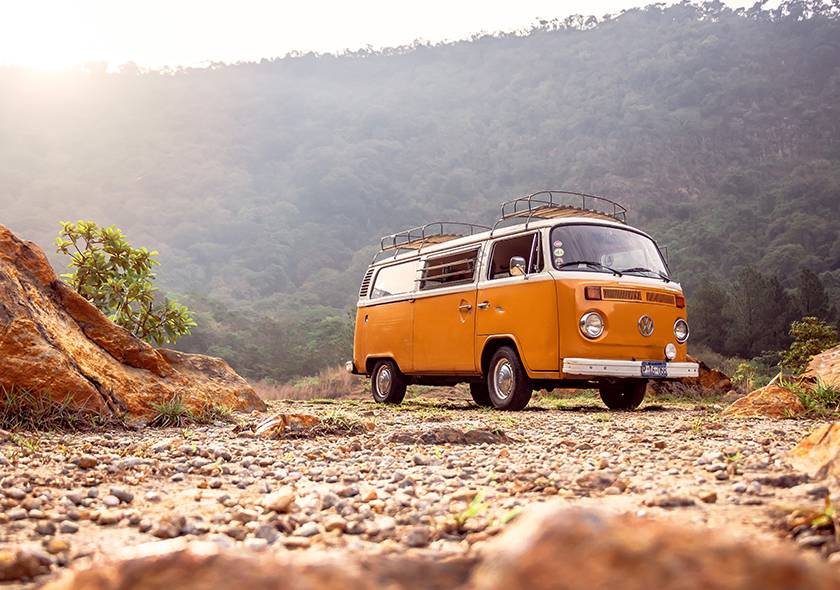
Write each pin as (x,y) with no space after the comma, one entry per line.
(503,379)
(383,381)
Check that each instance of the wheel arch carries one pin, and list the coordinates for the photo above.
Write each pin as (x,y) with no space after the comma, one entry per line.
(494,343)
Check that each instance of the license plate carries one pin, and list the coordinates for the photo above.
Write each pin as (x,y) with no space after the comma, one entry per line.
(654,369)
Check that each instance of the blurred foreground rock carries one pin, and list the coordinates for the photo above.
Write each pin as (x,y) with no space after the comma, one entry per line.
(549,547)
(772,401)
(818,454)
(552,547)
(54,342)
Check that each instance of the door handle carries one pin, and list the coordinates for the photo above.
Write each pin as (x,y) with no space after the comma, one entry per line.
(465,307)
(483,305)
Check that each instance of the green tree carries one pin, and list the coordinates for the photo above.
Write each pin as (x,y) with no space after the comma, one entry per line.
(708,323)
(758,315)
(812,297)
(118,279)
(811,336)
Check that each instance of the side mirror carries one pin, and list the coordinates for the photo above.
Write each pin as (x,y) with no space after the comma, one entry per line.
(517,266)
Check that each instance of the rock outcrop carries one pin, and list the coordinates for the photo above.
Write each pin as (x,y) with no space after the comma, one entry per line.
(772,401)
(824,367)
(818,454)
(54,342)
(550,547)
(709,381)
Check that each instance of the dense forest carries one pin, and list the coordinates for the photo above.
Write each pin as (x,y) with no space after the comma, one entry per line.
(266,185)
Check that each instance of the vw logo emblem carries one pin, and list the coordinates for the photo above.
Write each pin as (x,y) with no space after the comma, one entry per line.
(646,325)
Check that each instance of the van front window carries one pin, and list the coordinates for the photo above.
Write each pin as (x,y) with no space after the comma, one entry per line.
(603,248)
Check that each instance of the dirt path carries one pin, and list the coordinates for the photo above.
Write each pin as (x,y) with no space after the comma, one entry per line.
(388,490)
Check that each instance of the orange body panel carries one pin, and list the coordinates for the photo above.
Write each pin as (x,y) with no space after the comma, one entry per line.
(444,330)
(385,331)
(525,309)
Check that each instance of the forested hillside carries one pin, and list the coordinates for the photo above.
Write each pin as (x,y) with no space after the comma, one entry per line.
(265,186)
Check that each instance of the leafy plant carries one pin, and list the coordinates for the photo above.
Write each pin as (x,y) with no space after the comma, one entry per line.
(811,336)
(820,399)
(475,508)
(118,279)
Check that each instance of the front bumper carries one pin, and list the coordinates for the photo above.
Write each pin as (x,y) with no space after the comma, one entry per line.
(621,368)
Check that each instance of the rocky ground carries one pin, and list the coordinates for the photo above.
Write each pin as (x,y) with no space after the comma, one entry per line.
(434,476)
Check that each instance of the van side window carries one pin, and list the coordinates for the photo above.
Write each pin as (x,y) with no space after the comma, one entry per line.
(525,246)
(449,270)
(395,279)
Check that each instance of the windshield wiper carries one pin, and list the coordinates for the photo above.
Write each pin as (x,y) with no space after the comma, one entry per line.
(590,264)
(643,269)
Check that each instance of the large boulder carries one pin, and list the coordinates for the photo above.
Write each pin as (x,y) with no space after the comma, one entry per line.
(53,342)
(824,367)
(772,401)
(555,547)
(818,454)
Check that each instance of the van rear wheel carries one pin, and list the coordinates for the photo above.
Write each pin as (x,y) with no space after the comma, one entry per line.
(480,394)
(508,384)
(387,383)
(623,395)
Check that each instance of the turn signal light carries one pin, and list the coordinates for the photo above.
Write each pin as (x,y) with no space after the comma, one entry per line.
(680,301)
(592,293)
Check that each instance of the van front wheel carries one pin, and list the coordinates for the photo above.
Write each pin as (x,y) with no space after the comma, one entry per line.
(623,395)
(508,384)
(387,383)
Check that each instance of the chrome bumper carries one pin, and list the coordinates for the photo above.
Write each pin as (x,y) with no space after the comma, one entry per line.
(616,368)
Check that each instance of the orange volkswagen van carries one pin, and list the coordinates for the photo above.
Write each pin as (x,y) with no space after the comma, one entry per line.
(560,292)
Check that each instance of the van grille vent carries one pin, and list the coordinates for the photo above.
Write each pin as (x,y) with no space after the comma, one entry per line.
(660,298)
(363,290)
(623,294)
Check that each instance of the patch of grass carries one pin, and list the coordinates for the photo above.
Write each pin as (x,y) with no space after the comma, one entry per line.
(172,413)
(338,423)
(21,409)
(821,400)
(216,413)
(330,383)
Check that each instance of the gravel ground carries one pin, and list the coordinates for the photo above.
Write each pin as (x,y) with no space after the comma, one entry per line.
(397,486)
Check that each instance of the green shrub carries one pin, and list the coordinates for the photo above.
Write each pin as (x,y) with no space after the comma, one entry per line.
(811,336)
(118,279)
(821,400)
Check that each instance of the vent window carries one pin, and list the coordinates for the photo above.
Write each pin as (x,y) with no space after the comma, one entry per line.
(363,290)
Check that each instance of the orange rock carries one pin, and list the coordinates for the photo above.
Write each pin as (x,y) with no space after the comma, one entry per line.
(53,342)
(825,367)
(771,401)
(818,454)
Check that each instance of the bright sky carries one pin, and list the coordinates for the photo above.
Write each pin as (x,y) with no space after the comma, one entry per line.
(154,33)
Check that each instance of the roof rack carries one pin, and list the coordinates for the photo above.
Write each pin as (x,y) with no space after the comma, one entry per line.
(435,232)
(551,204)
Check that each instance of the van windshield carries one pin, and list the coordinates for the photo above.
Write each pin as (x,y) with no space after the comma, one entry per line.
(603,248)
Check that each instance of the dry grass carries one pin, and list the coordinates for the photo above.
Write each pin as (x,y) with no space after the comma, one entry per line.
(23,410)
(330,383)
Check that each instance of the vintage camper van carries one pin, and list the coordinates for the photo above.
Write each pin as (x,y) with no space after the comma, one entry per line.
(560,292)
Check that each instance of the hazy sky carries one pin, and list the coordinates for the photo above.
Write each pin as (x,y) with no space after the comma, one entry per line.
(153,33)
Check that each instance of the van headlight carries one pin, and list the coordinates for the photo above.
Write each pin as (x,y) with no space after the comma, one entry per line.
(592,324)
(681,330)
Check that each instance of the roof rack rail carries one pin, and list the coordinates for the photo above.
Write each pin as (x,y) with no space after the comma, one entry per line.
(553,203)
(435,232)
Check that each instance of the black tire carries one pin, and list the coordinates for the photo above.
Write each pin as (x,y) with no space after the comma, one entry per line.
(508,384)
(480,394)
(387,383)
(623,395)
